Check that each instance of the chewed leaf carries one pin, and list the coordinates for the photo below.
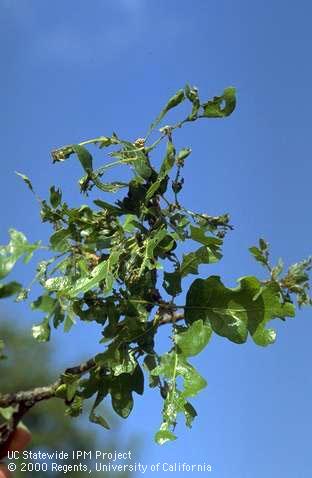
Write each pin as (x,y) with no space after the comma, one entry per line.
(221,106)
(17,247)
(233,313)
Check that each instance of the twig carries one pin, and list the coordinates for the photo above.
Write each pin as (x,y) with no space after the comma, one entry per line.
(25,400)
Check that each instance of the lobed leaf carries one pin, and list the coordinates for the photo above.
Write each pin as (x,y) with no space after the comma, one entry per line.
(232,313)
(17,247)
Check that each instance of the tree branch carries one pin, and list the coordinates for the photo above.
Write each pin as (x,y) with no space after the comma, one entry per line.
(25,400)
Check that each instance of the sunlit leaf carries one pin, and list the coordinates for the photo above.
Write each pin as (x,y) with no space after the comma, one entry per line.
(221,106)
(172,103)
(194,339)
(233,313)
(17,247)
(103,271)
(163,436)
(84,157)
(41,332)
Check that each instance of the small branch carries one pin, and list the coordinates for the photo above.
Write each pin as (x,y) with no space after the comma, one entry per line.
(25,400)
(29,397)
(171,318)
(82,368)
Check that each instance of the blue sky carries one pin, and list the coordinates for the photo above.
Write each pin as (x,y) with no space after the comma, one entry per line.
(75,70)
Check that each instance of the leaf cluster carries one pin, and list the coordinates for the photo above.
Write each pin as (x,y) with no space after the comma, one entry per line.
(116,263)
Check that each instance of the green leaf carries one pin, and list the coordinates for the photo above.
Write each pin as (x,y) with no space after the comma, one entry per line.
(149,364)
(69,321)
(192,95)
(103,271)
(121,393)
(118,359)
(138,380)
(41,332)
(220,106)
(172,103)
(45,303)
(12,288)
(22,295)
(233,313)
(55,197)
(182,155)
(26,180)
(193,340)
(191,261)
(189,413)
(109,207)
(142,167)
(136,157)
(75,407)
(141,163)
(258,255)
(72,384)
(84,157)
(61,154)
(57,284)
(278,269)
(163,436)
(150,244)
(112,187)
(99,420)
(130,223)
(59,240)
(168,161)
(172,283)
(198,235)
(17,247)
(173,365)
(105,141)
(264,245)
(153,188)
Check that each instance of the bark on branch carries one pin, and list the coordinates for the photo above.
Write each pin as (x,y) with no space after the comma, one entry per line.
(25,400)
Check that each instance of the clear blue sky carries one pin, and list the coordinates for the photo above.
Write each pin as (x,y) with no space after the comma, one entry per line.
(73,70)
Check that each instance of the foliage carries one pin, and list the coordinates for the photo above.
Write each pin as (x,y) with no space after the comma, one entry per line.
(111,264)
(47,422)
